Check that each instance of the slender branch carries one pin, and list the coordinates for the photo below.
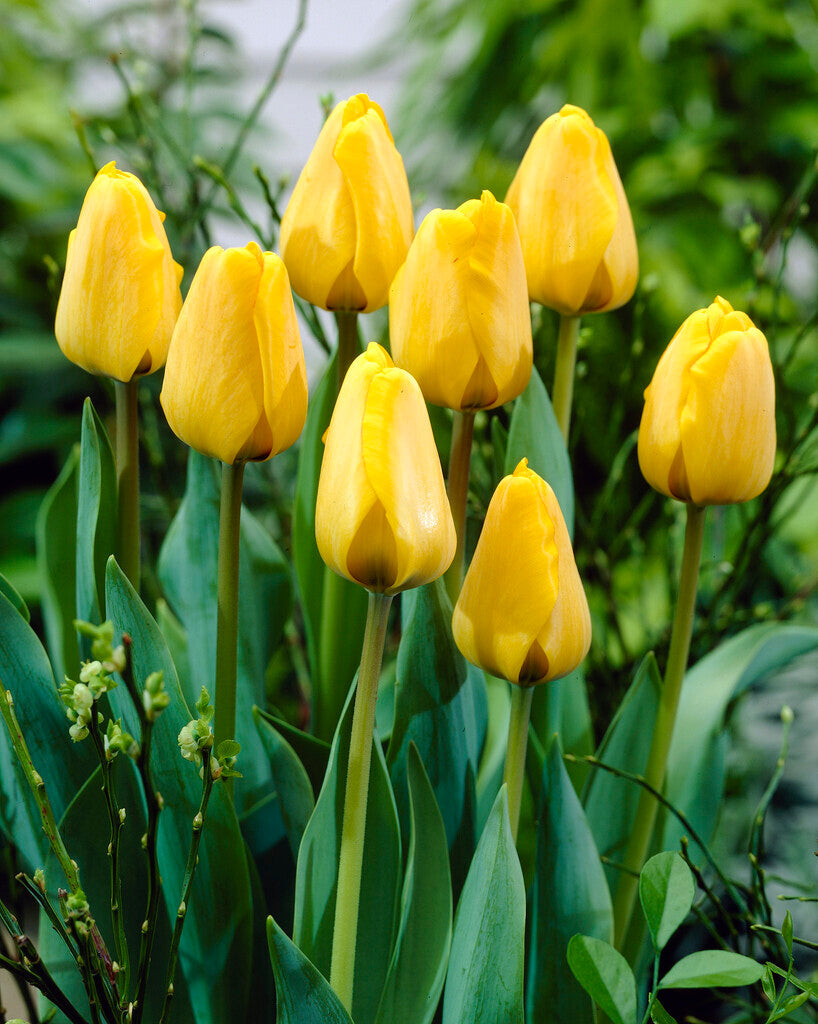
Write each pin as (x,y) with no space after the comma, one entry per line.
(127,477)
(57,922)
(563,392)
(514,770)
(41,978)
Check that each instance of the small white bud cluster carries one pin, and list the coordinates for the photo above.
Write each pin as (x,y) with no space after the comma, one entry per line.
(155,697)
(197,735)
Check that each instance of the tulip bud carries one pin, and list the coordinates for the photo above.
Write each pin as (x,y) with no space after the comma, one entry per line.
(120,295)
(708,428)
(382,517)
(459,320)
(522,613)
(573,217)
(235,385)
(349,221)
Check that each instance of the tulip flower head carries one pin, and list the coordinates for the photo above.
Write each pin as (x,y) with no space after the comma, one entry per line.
(349,222)
(459,320)
(708,427)
(235,384)
(382,517)
(573,217)
(120,294)
(522,613)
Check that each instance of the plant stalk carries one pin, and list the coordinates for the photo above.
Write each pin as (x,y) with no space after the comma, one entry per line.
(228,602)
(127,477)
(347,342)
(458,488)
(645,820)
(514,771)
(345,929)
(563,393)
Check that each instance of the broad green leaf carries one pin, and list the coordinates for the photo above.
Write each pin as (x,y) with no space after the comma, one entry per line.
(176,638)
(310,571)
(485,977)
(696,769)
(659,1015)
(10,592)
(87,847)
(534,434)
(292,784)
(493,755)
(789,1005)
(418,967)
(303,994)
(25,672)
(713,968)
(215,952)
(610,802)
(262,998)
(666,889)
(311,752)
(56,534)
(96,517)
(576,732)
(441,705)
(188,571)
(317,874)
(570,894)
(606,977)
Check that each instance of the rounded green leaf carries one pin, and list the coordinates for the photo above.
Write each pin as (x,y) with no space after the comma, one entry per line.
(713,968)
(606,977)
(666,889)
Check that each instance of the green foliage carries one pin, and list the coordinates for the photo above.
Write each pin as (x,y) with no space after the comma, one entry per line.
(605,976)
(666,891)
(304,996)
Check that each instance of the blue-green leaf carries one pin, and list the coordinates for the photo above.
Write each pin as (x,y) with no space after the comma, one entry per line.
(10,592)
(317,874)
(606,977)
(666,890)
(304,995)
(713,968)
(418,966)
(485,977)
(215,952)
(96,516)
(292,784)
(570,895)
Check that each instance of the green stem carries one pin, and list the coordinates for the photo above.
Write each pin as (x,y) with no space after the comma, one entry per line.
(563,393)
(345,930)
(127,476)
(187,884)
(514,771)
(645,820)
(458,488)
(228,611)
(347,342)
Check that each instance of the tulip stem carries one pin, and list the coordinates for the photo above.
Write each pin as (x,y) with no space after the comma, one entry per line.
(563,393)
(345,929)
(127,478)
(645,820)
(347,342)
(227,628)
(458,487)
(514,771)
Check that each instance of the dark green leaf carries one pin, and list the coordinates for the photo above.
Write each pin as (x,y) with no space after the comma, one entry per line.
(606,977)
(304,995)
(576,732)
(10,592)
(570,894)
(312,752)
(659,1015)
(485,976)
(790,1004)
(216,942)
(493,755)
(786,931)
(292,785)
(317,874)
(713,968)
(418,966)
(666,889)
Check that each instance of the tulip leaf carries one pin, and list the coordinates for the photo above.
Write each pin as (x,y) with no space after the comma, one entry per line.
(713,968)
(534,434)
(575,729)
(418,967)
(610,802)
(25,672)
(317,874)
(304,995)
(570,894)
(696,766)
(310,571)
(485,976)
(188,571)
(606,977)
(215,951)
(311,752)
(96,517)
(493,755)
(441,705)
(666,891)
(292,784)
(10,592)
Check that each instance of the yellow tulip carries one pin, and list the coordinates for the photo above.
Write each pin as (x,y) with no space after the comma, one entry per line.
(708,428)
(573,216)
(522,613)
(459,320)
(349,222)
(235,384)
(120,295)
(382,517)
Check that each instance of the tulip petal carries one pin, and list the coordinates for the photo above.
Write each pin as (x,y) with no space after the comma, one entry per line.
(620,265)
